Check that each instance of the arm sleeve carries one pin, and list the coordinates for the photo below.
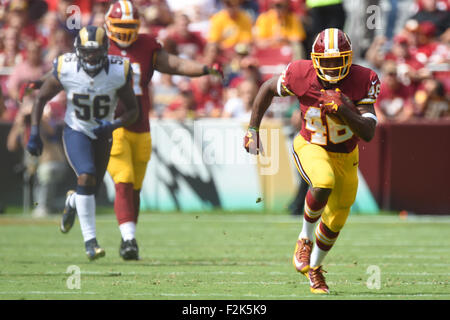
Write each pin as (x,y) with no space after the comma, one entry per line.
(293,80)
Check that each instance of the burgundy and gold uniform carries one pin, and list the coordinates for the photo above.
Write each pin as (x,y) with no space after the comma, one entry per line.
(141,55)
(336,102)
(361,85)
(131,149)
(325,151)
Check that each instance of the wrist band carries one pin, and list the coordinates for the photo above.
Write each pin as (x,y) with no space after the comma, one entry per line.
(253,128)
(34,130)
(205,70)
(117,123)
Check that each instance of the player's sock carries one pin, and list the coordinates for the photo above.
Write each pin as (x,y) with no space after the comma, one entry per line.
(325,238)
(137,203)
(85,204)
(124,203)
(312,213)
(128,230)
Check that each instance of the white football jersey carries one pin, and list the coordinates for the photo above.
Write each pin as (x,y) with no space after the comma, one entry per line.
(90,98)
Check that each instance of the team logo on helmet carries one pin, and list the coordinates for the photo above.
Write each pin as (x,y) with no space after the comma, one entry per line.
(91,47)
(122,23)
(332,55)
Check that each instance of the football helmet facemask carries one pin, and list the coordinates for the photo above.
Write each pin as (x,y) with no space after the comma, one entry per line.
(91,47)
(332,55)
(122,23)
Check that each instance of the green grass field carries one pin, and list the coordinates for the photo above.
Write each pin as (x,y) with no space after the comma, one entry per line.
(205,256)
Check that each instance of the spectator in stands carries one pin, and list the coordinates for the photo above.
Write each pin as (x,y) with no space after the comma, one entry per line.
(10,54)
(24,15)
(164,93)
(156,15)
(17,16)
(198,11)
(32,68)
(240,107)
(252,8)
(229,27)
(233,68)
(433,11)
(248,70)
(395,101)
(410,70)
(59,42)
(323,14)
(184,105)
(278,27)
(207,93)
(51,166)
(97,15)
(431,101)
(184,42)
(429,49)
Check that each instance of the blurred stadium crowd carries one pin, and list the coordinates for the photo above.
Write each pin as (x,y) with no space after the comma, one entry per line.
(264,36)
(252,39)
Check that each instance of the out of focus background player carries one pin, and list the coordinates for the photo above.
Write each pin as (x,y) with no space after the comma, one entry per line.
(336,101)
(132,146)
(93,82)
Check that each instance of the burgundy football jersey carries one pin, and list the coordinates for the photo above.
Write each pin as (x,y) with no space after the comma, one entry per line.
(141,54)
(361,85)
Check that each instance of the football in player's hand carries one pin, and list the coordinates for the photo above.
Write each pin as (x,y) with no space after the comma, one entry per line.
(330,100)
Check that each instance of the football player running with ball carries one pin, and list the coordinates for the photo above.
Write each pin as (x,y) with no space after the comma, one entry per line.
(132,146)
(93,82)
(336,101)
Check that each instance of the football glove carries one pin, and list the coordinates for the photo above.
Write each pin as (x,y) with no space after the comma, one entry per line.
(215,70)
(330,100)
(28,87)
(252,141)
(34,145)
(106,127)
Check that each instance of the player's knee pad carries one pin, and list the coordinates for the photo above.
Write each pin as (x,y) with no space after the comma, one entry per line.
(122,174)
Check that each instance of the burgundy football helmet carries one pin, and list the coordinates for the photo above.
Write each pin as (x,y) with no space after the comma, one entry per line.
(122,23)
(332,55)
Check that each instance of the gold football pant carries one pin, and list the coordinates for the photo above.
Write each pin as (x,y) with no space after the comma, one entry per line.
(130,154)
(332,170)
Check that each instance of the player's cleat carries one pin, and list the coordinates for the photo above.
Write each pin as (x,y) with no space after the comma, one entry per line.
(93,250)
(317,280)
(302,256)
(69,214)
(129,250)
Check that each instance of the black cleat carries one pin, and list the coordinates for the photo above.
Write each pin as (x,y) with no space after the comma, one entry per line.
(69,214)
(93,250)
(129,250)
